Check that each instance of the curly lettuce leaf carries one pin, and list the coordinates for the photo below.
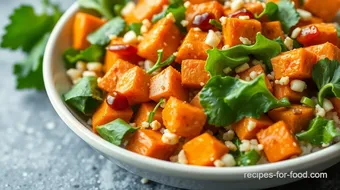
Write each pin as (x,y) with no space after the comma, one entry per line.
(264,49)
(94,53)
(227,100)
(320,131)
(326,75)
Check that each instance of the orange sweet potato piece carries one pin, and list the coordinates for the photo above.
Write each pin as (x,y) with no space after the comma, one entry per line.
(278,142)
(109,82)
(327,49)
(149,143)
(213,8)
(326,9)
(296,64)
(193,46)
(144,111)
(272,30)
(326,33)
(313,20)
(182,118)
(247,128)
(145,9)
(259,70)
(84,24)
(163,35)
(134,85)
(255,8)
(204,150)
(166,84)
(194,73)
(336,103)
(198,1)
(284,91)
(235,28)
(297,117)
(105,114)
(196,101)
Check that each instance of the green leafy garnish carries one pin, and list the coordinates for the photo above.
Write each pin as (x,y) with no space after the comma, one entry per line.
(94,53)
(284,48)
(85,95)
(29,31)
(244,158)
(107,8)
(222,98)
(115,131)
(337,26)
(326,75)
(264,49)
(320,131)
(136,28)
(113,27)
(215,23)
(159,63)
(307,101)
(284,11)
(152,114)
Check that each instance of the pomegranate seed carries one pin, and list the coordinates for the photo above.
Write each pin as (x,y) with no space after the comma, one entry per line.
(202,21)
(123,49)
(117,101)
(308,35)
(242,12)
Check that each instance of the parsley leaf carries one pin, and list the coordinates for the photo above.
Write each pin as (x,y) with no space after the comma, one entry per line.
(264,49)
(85,96)
(320,131)
(244,158)
(136,28)
(94,53)
(326,75)
(159,63)
(113,27)
(115,131)
(271,8)
(152,114)
(107,8)
(221,98)
(284,48)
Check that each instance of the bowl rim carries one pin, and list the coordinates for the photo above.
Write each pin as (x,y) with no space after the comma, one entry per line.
(151,164)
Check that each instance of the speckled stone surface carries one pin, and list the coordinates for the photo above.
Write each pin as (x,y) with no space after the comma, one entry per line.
(39,152)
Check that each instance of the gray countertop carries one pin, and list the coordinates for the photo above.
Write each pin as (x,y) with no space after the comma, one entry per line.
(38,151)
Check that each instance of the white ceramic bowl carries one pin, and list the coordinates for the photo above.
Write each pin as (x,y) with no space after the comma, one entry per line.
(183,176)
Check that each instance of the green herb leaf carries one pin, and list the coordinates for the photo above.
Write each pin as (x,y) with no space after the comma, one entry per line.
(85,96)
(152,114)
(248,158)
(264,49)
(215,23)
(337,26)
(94,53)
(101,37)
(221,98)
(307,101)
(107,8)
(326,75)
(271,9)
(284,48)
(115,131)
(136,28)
(159,63)
(320,131)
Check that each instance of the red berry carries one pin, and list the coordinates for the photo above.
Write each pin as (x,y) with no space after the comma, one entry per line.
(308,35)
(242,12)
(123,49)
(117,101)
(202,21)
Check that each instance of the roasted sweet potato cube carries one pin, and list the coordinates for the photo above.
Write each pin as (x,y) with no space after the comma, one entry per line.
(336,103)
(296,64)
(167,83)
(313,20)
(145,9)
(163,35)
(105,114)
(149,143)
(247,128)
(297,117)
(284,91)
(193,73)
(326,9)
(278,142)
(198,1)
(326,50)
(182,118)
(84,24)
(144,111)
(109,82)
(255,8)
(213,8)
(272,30)
(204,150)
(193,46)
(258,69)
(196,101)
(134,85)
(234,28)
(323,33)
